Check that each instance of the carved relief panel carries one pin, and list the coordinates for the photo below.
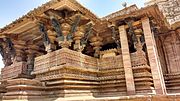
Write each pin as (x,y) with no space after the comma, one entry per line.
(170,9)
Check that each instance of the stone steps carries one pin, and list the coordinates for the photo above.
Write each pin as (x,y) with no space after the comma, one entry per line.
(172,82)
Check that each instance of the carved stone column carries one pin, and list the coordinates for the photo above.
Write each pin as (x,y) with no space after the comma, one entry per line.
(127,61)
(96,42)
(19,49)
(65,42)
(30,61)
(156,71)
(52,38)
(77,38)
(139,47)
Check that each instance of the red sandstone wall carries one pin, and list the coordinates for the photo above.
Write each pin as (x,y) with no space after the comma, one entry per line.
(169,51)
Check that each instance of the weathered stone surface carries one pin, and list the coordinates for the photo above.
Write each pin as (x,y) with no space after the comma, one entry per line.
(82,58)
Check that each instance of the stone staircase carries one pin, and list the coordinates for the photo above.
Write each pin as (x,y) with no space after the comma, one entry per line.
(172,82)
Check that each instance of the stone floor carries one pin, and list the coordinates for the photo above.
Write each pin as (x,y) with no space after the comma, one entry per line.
(122,98)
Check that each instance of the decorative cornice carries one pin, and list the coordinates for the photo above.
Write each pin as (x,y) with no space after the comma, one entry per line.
(124,11)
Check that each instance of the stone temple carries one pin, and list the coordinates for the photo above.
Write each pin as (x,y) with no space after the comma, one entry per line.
(61,51)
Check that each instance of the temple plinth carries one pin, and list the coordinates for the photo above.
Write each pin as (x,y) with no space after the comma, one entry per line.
(61,51)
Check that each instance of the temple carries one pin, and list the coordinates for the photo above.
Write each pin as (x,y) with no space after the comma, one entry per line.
(61,51)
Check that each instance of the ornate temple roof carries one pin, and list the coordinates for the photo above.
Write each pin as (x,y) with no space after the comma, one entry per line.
(27,23)
(53,4)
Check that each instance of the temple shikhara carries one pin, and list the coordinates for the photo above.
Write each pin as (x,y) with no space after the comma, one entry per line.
(61,51)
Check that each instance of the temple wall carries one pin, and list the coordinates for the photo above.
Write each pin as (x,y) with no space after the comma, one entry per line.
(168,48)
(170,9)
(68,62)
(161,55)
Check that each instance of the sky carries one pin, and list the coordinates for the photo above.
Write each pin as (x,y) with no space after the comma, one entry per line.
(13,9)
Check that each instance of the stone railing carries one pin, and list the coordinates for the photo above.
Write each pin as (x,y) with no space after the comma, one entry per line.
(63,57)
(14,70)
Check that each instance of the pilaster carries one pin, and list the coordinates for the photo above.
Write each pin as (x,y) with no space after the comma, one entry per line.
(156,71)
(127,61)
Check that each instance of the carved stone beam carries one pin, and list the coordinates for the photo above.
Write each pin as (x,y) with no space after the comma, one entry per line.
(54,13)
(135,23)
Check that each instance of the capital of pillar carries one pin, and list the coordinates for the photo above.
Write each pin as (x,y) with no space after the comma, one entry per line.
(19,51)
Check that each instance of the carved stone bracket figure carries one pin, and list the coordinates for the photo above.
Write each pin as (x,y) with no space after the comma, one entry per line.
(9,51)
(2,51)
(6,60)
(96,42)
(131,33)
(114,37)
(47,43)
(81,37)
(87,34)
(57,27)
(74,26)
(52,36)
(62,31)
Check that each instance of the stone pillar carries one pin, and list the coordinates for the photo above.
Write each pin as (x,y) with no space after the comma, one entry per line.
(30,62)
(156,71)
(79,34)
(19,50)
(127,61)
(32,52)
(96,42)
